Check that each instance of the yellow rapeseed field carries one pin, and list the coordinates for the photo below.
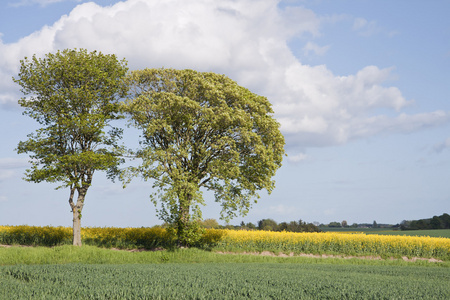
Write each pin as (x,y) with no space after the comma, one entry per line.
(239,240)
(339,243)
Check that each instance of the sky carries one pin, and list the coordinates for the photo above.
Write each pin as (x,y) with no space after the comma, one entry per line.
(359,87)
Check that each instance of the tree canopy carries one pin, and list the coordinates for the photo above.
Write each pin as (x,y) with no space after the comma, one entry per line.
(74,96)
(202,131)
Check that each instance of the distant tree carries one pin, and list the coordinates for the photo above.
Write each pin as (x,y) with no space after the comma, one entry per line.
(283,226)
(436,223)
(295,226)
(445,218)
(374,225)
(251,226)
(267,224)
(344,223)
(404,224)
(202,131)
(73,94)
(334,224)
(209,223)
(354,225)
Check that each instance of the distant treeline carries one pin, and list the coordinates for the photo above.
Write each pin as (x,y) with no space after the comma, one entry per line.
(436,222)
(265,224)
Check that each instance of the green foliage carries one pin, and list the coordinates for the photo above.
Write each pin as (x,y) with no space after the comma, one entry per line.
(74,95)
(223,281)
(293,226)
(188,234)
(437,222)
(209,223)
(202,131)
(267,224)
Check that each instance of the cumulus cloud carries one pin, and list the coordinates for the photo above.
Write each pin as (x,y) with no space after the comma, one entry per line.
(13,163)
(442,146)
(297,157)
(365,28)
(283,210)
(8,166)
(246,40)
(315,49)
(20,3)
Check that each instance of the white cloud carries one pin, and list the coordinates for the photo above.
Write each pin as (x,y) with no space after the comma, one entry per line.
(6,174)
(442,146)
(312,47)
(359,23)
(8,166)
(246,40)
(20,3)
(365,28)
(283,210)
(13,163)
(297,157)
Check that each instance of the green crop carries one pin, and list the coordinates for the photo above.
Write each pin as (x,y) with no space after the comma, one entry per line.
(223,281)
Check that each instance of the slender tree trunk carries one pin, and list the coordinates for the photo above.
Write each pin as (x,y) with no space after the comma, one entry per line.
(76,211)
(76,227)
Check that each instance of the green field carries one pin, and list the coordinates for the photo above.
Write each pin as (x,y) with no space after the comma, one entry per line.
(387,231)
(223,281)
(92,272)
(88,272)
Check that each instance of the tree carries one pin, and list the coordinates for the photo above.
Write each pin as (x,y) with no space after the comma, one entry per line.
(334,224)
(202,131)
(74,95)
(435,223)
(209,223)
(267,224)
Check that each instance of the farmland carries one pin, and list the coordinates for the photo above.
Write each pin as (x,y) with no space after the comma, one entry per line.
(445,233)
(223,281)
(63,271)
(355,244)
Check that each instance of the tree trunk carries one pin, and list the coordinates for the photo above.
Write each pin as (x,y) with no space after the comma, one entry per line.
(76,227)
(76,211)
(183,225)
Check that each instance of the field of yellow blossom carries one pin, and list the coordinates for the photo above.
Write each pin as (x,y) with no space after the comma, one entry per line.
(336,243)
(358,244)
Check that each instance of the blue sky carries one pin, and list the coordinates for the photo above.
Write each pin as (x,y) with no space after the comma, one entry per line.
(360,89)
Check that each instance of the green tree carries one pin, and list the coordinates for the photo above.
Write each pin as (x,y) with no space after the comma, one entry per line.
(267,224)
(202,131)
(435,223)
(334,224)
(73,95)
(209,223)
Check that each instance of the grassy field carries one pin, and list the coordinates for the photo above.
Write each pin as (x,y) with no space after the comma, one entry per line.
(330,243)
(88,272)
(223,281)
(358,265)
(444,233)
(66,254)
